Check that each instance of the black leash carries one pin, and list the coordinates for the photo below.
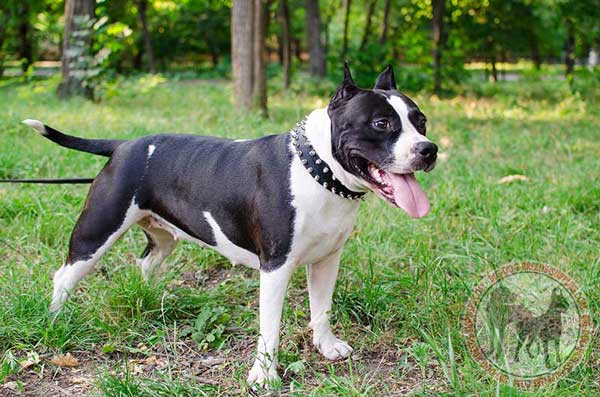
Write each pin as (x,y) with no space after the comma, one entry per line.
(71,181)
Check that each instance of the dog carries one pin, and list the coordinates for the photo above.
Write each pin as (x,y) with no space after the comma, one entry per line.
(272,203)
(545,328)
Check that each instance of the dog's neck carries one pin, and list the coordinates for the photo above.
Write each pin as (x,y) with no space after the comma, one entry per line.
(318,131)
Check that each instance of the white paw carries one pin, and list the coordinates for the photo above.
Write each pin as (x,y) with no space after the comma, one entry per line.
(333,348)
(262,375)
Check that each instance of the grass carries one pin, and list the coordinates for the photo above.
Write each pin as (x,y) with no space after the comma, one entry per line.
(403,283)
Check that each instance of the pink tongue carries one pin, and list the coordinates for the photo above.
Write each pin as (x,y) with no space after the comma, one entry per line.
(408,195)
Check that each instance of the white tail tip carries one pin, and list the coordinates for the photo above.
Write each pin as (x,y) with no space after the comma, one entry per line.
(36,125)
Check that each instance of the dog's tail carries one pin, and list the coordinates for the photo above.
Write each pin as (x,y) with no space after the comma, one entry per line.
(101,147)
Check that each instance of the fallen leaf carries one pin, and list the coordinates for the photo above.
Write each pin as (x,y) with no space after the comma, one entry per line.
(32,359)
(513,178)
(65,360)
(12,385)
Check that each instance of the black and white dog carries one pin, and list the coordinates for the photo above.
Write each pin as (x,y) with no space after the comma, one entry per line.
(272,203)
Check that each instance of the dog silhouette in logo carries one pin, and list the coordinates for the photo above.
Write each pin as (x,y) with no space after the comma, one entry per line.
(500,309)
(542,329)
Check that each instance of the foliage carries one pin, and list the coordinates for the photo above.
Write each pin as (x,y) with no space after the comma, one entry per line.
(209,328)
(195,33)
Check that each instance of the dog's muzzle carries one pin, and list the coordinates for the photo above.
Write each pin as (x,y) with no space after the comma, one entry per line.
(425,156)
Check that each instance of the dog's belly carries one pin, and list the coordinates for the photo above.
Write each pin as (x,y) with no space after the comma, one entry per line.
(237,255)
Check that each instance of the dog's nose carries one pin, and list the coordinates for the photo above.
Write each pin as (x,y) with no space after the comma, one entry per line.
(427,150)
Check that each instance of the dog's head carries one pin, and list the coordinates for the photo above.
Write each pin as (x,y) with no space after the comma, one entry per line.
(378,135)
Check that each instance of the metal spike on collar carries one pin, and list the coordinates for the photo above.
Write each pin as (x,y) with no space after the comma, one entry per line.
(318,168)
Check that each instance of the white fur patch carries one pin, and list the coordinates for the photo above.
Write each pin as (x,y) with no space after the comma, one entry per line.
(317,239)
(151,149)
(237,255)
(36,125)
(404,153)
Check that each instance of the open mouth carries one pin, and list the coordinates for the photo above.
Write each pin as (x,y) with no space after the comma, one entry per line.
(401,190)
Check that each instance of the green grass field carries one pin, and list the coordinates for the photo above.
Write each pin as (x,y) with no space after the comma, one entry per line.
(403,283)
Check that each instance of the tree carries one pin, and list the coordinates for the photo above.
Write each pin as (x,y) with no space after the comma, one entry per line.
(142,6)
(439,9)
(285,41)
(313,37)
(25,42)
(248,27)
(76,58)
(368,23)
(570,48)
(347,5)
(386,17)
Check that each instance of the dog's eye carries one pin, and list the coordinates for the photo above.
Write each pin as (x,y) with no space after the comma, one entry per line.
(422,126)
(382,124)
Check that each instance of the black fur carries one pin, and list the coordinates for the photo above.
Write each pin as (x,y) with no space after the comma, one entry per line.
(244,185)
(101,147)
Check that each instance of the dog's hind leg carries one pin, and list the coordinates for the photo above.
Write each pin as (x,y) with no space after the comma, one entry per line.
(106,216)
(160,244)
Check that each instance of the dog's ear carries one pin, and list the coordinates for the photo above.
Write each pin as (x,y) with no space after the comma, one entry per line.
(348,88)
(386,80)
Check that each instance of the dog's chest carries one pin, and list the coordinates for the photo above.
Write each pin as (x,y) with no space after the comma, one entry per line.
(323,221)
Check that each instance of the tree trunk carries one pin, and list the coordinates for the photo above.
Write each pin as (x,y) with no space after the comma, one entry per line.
(386,17)
(242,29)
(593,56)
(313,36)
(494,69)
(142,6)
(214,55)
(347,5)
(368,22)
(259,91)
(76,58)
(439,9)
(284,20)
(248,28)
(535,52)
(3,24)
(570,48)
(24,33)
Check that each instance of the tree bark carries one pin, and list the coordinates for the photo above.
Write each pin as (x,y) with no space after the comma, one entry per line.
(248,28)
(368,22)
(284,20)
(494,69)
(3,26)
(142,6)
(570,48)
(535,52)
(313,35)
(76,56)
(24,34)
(347,5)
(242,29)
(259,91)
(386,17)
(439,9)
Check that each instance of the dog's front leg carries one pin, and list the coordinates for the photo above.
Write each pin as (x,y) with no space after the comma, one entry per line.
(273,287)
(321,282)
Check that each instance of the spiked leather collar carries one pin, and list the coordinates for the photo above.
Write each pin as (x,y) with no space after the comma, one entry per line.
(317,167)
